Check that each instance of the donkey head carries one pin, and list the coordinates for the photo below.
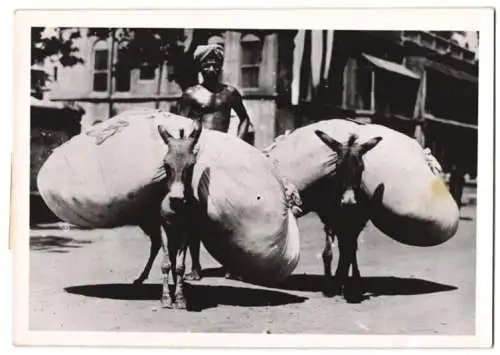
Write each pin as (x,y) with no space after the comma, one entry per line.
(178,164)
(349,166)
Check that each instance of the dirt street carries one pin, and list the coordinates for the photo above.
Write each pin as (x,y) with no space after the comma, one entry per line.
(81,280)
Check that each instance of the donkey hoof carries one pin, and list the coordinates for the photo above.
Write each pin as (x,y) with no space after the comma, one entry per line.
(230,276)
(180,304)
(354,297)
(166,302)
(331,290)
(194,275)
(353,294)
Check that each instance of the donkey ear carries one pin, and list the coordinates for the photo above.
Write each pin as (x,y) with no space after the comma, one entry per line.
(329,141)
(195,134)
(365,147)
(164,133)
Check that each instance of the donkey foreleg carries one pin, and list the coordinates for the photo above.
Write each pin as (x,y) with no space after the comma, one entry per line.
(352,287)
(180,267)
(330,288)
(194,249)
(342,272)
(357,286)
(166,270)
(354,292)
(327,254)
(356,275)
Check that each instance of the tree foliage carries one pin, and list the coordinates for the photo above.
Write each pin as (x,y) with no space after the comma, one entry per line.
(138,46)
(59,45)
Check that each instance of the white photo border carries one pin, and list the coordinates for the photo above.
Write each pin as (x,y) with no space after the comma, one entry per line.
(480,19)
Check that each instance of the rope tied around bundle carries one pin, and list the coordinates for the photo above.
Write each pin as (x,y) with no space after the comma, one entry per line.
(292,195)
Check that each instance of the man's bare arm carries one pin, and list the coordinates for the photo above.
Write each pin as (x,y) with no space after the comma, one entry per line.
(239,108)
(186,105)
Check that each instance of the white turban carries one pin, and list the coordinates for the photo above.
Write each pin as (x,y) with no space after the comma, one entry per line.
(204,52)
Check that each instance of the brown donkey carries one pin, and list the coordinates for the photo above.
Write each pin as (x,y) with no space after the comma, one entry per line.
(348,215)
(175,211)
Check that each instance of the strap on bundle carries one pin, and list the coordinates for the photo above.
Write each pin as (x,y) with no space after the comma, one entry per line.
(433,163)
(292,195)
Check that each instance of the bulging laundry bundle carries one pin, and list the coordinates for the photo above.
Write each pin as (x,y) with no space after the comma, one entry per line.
(108,176)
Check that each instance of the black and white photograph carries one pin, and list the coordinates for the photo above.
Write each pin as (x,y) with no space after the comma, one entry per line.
(296,179)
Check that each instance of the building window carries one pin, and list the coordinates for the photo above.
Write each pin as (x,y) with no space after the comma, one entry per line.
(123,68)
(169,72)
(365,87)
(450,97)
(147,72)
(101,66)
(37,83)
(251,58)
(216,40)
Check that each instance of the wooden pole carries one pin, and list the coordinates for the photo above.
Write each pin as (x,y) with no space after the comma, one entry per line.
(158,84)
(111,66)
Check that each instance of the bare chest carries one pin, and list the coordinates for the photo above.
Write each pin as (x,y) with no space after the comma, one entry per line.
(209,102)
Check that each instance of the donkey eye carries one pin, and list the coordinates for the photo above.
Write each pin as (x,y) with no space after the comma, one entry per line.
(168,170)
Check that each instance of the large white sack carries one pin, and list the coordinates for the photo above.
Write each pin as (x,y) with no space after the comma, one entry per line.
(256,257)
(416,207)
(103,177)
(251,231)
(108,177)
(303,158)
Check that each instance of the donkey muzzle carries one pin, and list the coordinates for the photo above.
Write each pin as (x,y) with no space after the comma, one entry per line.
(172,208)
(176,203)
(348,198)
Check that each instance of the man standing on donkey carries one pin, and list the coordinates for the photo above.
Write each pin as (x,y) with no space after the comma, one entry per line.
(211,103)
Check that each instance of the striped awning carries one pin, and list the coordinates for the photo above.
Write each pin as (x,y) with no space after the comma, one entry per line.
(450,122)
(391,66)
(312,55)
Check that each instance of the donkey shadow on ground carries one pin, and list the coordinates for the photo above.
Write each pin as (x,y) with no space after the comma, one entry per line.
(199,297)
(370,286)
